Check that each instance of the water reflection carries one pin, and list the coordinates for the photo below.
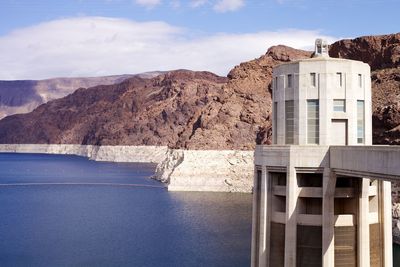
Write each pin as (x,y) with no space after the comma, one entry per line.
(86,225)
(218,224)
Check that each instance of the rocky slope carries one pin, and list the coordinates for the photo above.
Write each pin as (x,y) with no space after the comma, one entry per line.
(180,109)
(199,110)
(22,96)
(382,53)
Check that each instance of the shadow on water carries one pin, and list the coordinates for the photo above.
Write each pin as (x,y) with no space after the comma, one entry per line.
(217,224)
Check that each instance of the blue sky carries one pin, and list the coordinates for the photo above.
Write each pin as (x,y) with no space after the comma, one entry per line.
(47,38)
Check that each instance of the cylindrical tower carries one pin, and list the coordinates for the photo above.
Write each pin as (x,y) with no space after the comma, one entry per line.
(306,213)
(322,101)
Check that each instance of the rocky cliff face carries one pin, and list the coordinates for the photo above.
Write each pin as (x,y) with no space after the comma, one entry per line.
(25,95)
(199,110)
(180,109)
(382,53)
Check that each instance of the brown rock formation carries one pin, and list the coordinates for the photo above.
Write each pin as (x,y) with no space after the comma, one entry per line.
(23,96)
(181,109)
(382,53)
(199,110)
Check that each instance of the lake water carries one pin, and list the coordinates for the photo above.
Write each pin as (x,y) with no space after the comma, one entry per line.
(69,211)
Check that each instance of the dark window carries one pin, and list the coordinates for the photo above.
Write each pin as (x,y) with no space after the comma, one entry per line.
(339,78)
(290,80)
(360,122)
(289,125)
(312,121)
(313,78)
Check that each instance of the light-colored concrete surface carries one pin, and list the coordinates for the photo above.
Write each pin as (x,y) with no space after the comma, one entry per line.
(381,162)
(291,217)
(328,87)
(387,222)
(328,218)
(363,225)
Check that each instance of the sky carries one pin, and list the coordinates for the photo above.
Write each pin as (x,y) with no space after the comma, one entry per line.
(42,39)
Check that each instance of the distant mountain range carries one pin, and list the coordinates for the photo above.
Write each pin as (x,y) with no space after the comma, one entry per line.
(199,110)
(23,96)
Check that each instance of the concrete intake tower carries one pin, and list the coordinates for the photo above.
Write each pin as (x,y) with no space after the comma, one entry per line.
(322,192)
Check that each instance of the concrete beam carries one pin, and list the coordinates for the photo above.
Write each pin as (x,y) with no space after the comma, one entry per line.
(379,162)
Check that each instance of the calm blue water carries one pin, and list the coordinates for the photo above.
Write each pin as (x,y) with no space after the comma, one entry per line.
(89,222)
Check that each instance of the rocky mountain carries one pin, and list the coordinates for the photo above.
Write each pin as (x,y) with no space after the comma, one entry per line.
(382,53)
(200,110)
(181,109)
(22,96)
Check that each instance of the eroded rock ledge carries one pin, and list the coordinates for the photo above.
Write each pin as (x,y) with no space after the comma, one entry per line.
(181,170)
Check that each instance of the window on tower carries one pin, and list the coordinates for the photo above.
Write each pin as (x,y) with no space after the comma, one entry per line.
(289,122)
(313,78)
(339,78)
(339,105)
(312,121)
(289,80)
(360,121)
(319,48)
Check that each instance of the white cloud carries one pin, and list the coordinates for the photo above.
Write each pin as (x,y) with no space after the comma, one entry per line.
(228,5)
(148,3)
(175,4)
(93,46)
(198,3)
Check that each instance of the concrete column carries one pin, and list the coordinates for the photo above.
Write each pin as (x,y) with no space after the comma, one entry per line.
(291,217)
(387,223)
(255,231)
(264,220)
(363,224)
(328,218)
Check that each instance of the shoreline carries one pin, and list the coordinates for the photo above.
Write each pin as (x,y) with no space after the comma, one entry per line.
(180,170)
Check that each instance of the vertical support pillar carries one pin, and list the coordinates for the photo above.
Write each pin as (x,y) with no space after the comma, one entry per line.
(291,217)
(363,224)
(255,223)
(328,218)
(387,223)
(264,220)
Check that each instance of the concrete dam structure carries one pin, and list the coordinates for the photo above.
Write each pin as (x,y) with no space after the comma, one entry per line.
(322,192)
